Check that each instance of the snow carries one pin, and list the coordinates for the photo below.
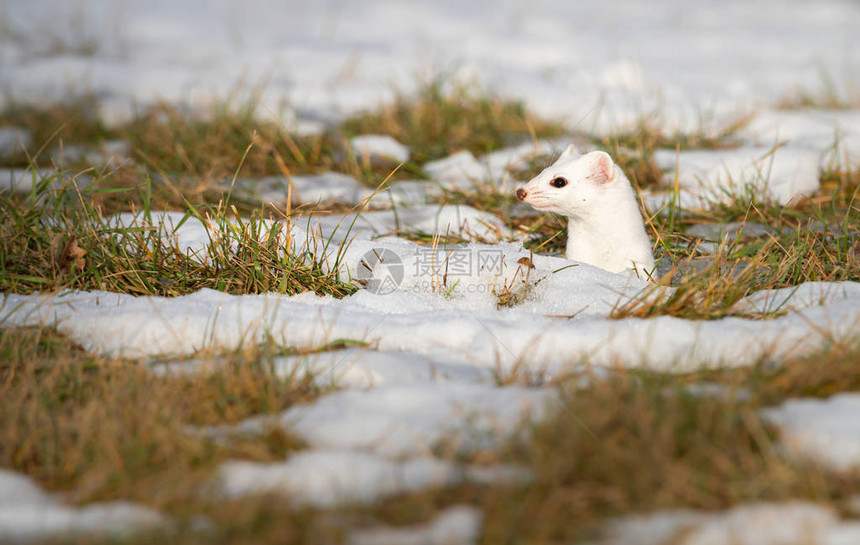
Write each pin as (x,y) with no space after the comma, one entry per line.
(601,65)
(321,236)
(407,193)
(24,180)
(781,174)
(112,153)
(719,232)
(29,514)
(826,431)
(457,171)
(402,420)
(462,170)
(500,163)
(427,382)
(327,187)
(325,478)
(349,368)
(453,219)
(14,141)
(458,525)
(21,180)
(365,445)
(835,134)
(786,523)
(376,147)
(801,297)
(464,327)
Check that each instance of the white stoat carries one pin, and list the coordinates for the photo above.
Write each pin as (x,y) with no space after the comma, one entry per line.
(604,225)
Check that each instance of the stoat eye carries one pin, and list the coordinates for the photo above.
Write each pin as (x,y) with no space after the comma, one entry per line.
(558,182)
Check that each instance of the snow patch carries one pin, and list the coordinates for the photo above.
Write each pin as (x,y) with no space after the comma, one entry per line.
(327,478)
(787,523)
(779,174)
(459,525)
(327,187)
(826,431)
(14,141)
(350,368)
(409,419)
(835,134)
(465,330)
(457,171)
(377,147)
(28,514)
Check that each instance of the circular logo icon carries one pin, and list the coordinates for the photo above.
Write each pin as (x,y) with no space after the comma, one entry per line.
(380,271)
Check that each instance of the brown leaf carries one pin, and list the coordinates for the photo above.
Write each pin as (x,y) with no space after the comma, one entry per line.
(72,254)
(526,261)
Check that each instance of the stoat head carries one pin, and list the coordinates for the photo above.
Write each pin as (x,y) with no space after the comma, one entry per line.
(572,185)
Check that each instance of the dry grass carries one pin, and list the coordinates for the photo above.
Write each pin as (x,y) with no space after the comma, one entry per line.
(55,238)
(73,122)
(629,442)
(706,294)
(446,117)
(709,287)
(211,147)
(633,443)
(622,446)
(108,428)
(102,429)
(836,370)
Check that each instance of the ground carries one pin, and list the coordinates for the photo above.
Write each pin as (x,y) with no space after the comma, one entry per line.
(265,278)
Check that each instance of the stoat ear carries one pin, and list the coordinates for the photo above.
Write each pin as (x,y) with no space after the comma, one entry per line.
(571,151)
(601,166)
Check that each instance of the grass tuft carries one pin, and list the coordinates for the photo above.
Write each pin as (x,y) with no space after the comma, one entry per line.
(73,122)
(710,293)
(210,147)
(445,117)
(54,238)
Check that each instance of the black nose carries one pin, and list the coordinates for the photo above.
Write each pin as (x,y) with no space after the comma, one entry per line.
(521,193)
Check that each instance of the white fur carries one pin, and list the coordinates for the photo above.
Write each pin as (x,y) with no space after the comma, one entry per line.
(604,228)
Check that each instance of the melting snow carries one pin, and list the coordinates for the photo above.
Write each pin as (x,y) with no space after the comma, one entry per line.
(835,134)
(328,187)
(28,514)
(601,66)
(826,431)
(376,147)
(328,478)
(461,328)
(778,174)
(408,419)
(788,523)
(13,141)
(459,525)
